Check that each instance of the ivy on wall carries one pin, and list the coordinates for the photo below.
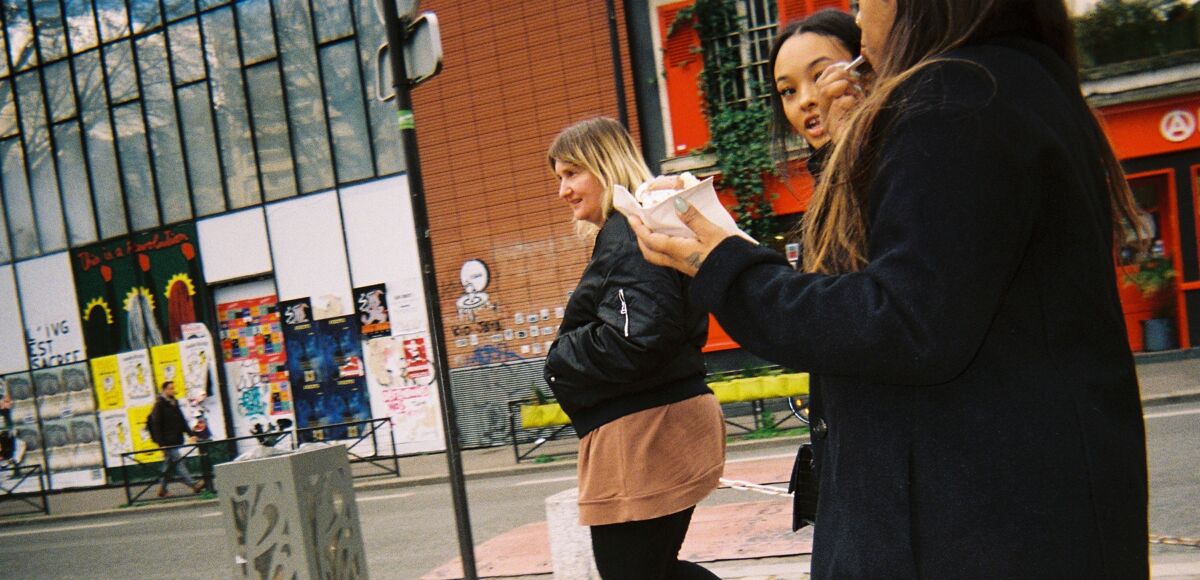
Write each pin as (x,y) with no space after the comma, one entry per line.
(737,120)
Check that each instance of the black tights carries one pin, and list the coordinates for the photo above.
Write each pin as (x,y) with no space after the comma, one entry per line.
(646,550)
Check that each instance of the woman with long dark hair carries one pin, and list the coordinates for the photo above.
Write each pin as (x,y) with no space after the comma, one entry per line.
(801,51)
(978,414)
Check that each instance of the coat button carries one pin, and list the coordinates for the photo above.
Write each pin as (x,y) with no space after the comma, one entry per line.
(552,379)
(820,429)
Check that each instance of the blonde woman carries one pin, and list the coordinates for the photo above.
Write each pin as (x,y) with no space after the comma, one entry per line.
(626,368)
(978,414)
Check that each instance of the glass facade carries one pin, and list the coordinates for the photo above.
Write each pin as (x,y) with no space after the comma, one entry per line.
(118,116)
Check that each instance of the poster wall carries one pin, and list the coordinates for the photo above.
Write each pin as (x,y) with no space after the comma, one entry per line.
(255,364)
(124,407)
(25,424)
(137,292)
(70,432)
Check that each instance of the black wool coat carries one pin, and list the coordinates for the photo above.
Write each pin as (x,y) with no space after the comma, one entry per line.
(977,414)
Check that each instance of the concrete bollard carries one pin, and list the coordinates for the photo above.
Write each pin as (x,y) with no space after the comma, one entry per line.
(292,515)
(570,543)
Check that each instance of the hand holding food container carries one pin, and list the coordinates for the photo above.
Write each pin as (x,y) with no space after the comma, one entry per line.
(678,220)
(654,204)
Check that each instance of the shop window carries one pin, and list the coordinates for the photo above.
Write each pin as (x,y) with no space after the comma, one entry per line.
(135,166)
(229,108)
(271,131)
(306,115)
(159,102)
(1148,192)
(39,159)
(77,195)
(203,164)
(8,110)
(17,203)
(186,55)
(51,37)
(81,24)
(101,154)
(21,47)
(176,9)
(257,30)
(115,23)
(59,93)
(144,14)
(347,118)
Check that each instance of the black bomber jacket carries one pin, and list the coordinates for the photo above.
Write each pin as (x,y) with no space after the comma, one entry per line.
(629,339)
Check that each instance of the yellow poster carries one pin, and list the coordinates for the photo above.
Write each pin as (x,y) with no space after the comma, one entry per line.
(106,379)
(167,367)
(141,433)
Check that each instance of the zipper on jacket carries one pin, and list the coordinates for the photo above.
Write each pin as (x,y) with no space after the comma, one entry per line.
(624,309)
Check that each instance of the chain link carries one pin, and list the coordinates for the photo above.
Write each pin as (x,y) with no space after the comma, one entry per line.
(769,490)
(1175,541)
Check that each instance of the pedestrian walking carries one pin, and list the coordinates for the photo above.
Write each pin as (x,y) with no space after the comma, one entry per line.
(167,427)
(626,368)
(978,412)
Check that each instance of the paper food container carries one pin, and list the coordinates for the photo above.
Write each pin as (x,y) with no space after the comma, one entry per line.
(662,218)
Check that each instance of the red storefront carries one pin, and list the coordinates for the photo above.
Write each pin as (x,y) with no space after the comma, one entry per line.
(1159,145)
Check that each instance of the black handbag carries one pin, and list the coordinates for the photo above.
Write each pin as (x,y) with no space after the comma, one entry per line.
(804,486)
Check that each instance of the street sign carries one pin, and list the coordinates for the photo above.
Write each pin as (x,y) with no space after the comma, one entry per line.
(405,9)
(422,55)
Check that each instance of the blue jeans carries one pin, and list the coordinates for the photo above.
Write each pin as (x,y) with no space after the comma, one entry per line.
(175,460)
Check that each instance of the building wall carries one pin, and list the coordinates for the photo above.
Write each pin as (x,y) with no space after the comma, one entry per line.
(515,75)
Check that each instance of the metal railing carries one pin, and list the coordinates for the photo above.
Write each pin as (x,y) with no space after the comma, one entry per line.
(214,452)
(9,486)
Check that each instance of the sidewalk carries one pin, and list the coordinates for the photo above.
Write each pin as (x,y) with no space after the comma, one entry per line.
(1165,378)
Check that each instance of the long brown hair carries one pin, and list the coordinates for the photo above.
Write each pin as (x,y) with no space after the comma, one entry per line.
(835,231)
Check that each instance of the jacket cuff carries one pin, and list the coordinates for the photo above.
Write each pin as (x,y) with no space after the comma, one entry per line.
(722,266)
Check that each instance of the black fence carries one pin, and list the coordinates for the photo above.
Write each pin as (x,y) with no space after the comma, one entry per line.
(12,480)
(141,475)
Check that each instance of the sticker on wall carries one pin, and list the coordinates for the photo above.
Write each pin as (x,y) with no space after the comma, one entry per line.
(295,312)
(474,277)
(406,308)
(1177,125)
(327,306)
(370,304)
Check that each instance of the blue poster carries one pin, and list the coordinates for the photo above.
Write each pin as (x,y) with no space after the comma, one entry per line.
(327,374)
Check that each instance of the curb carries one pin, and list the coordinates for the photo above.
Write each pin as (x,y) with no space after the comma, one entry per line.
(1171,398)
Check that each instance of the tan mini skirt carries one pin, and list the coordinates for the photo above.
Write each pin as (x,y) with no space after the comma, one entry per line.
(652,463)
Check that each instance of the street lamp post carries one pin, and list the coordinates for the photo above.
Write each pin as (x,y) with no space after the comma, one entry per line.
(397,16)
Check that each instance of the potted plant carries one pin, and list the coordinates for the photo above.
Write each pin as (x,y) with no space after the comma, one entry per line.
(1153,278)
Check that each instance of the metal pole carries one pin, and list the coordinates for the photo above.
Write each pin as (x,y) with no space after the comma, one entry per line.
(397,31)
(618,69)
